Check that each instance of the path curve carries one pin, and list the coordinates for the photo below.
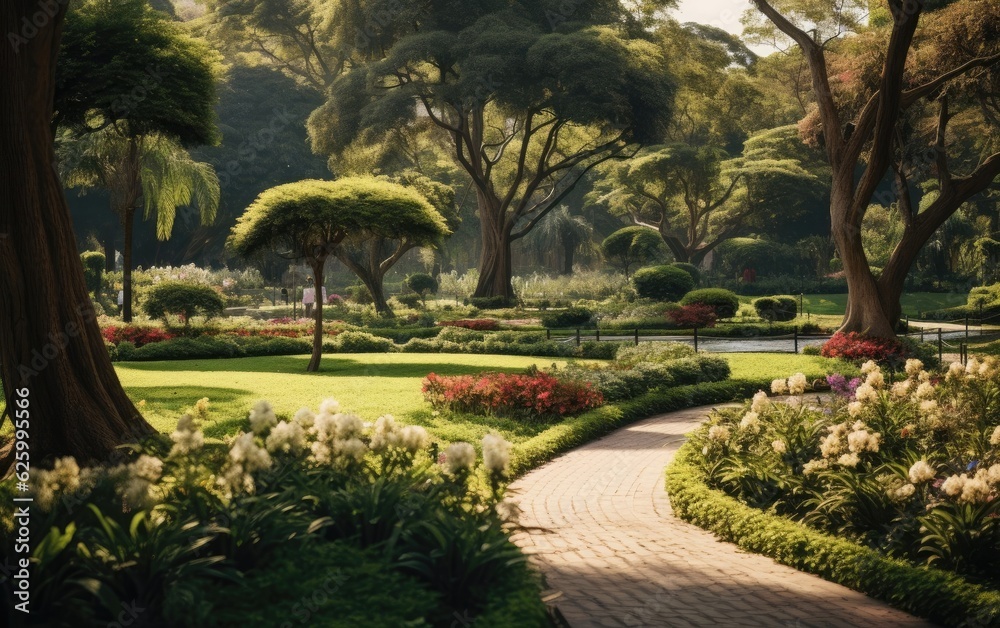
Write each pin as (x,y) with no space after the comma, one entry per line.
(598,523)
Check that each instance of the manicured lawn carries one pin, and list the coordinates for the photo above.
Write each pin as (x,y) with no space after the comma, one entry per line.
(775,365)
(912,302)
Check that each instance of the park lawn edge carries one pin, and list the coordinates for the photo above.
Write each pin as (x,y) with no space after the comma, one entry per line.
(934,594)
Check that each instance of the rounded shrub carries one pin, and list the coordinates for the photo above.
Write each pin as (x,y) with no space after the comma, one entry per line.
(780,308)
(363,342)
(663,283)
(93,270)
(570,317)
(690,269)
(182,299)
(724,302)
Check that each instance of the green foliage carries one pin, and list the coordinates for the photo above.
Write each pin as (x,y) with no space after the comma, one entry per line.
(663,283)
(210,347)
(183,299)
(618,381)
(632,246)
(690,269)
(422,283)
(652,352)
(724,302)
(93,270)
(779,308)
(488,303)
(570,317)
(362,342)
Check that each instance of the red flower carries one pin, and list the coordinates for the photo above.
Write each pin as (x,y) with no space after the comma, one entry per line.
(503,394)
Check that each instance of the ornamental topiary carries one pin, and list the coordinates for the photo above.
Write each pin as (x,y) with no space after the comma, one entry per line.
(182,299)
(724,302)
(690,269)
(662,283)
(570,317)
(93,270)
(779,308)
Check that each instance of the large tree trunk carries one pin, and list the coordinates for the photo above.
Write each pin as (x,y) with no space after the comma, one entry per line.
(373,281)
(317,353)
(51,348)
(495,261)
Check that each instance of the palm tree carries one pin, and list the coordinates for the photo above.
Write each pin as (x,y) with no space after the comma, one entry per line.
(152,171)
(563,229)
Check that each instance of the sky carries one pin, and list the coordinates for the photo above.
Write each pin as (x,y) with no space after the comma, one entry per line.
(724,14)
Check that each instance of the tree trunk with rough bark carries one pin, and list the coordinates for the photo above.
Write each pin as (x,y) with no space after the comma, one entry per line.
(51,348)
(495,261)
(317,352)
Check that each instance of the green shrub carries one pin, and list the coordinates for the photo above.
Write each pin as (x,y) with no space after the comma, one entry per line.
(362,342)
(599,350)
(422,283)
(724,302)
(662,283)
(183,299)
(780,308)
(421,345)
(570,317)
(489,303)
(94,263)
(690,269)
(652,352)
(409,300)
(460,334)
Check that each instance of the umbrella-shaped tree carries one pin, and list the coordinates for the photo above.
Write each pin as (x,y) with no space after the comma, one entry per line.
(311,220)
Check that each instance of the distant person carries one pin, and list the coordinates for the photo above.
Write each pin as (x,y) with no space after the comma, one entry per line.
(309,297)
(121,301)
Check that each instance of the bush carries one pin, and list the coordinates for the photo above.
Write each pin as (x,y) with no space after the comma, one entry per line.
(696,315)
(138,335)
(489,303)
(477,324)
(421,345)
(690,269)
(182,299)
(536,396)
(409,300)
(94,263)
(779,308)
(662,283)
(724,302)
(422,283)
(570,317)
(362,342)
(652,352)
(857,348)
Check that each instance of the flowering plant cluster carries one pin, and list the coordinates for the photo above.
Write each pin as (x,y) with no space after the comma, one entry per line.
(535,396)
(475,324)
(855,347)
(138,335)
(696,315)
(911,467)
(843,387)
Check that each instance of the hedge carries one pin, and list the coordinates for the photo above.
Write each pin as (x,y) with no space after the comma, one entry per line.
(724,302)
(937,595)
(662,283)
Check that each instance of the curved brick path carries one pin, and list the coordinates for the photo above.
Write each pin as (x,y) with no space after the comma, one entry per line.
(598,523)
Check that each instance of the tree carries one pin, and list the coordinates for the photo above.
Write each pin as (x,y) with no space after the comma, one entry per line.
(183,299)
(630,246)
(50,343)
(563,230)
(312,220)
(874,123)
(527,105)
(151,170)
(134,91)
(423,284)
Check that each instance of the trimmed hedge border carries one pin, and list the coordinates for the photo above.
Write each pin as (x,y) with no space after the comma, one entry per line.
(589,426)
(934,594)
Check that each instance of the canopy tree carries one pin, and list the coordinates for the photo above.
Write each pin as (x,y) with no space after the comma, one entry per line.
(563,230)
(884,102)
(312,220)
(631,246)
(527,105)
(144,90)
(51,348)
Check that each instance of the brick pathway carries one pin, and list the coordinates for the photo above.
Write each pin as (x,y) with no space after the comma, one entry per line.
(598,522)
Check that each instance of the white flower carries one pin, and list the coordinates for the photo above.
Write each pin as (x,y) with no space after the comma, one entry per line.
(975,491)
(459,457)
(995,438)
(854,408)
(352,448)
(750,421)
(386,433)
(869,367)
(921,472)
(718,432)
(496,453)
(902,493)
(901,388)
(993,475)
(928,407)
(413,438)
(953,485)
(704,450)
(286,437)
(508,510)
(305,418)
(262,417)
(329,406)
(875,379)
(849,460)
(187,437)
(148,468)
(760,402)
(245,452)
(793,402)
(924,391)
(866,393)
(862,440)
(797,384)
(779,387)
(955,371)
(779,446)
(201,407)
(47,485)
(814,465)
(830,446)
(913,367)
(972,368)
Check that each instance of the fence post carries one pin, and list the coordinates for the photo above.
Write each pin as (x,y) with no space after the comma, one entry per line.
(578,336)
(637,336)
(940,347)
(696,340)
(796,333)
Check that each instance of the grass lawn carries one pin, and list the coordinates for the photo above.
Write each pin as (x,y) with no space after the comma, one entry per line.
(775,365)
(836,304)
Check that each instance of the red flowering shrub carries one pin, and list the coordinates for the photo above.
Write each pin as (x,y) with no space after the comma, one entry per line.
(135,334)
(537,396)
(857,347)
(476,324)
(694,315)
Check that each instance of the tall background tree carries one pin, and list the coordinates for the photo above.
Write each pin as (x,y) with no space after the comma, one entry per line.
(886,101)
(50,343)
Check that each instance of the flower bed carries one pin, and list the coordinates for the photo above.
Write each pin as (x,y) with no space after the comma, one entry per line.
(537,396)
(136,334)
(856,347)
